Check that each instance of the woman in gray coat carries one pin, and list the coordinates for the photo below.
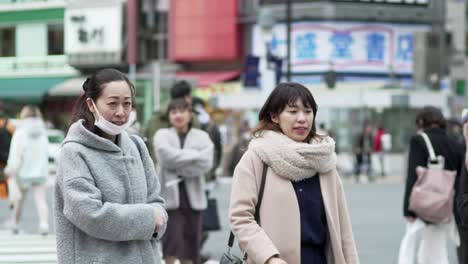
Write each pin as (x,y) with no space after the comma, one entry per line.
(107,203)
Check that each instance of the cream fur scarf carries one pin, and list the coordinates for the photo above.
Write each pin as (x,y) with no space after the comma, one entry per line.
(295,160)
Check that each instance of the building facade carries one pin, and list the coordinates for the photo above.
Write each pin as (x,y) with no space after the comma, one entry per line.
(32,58)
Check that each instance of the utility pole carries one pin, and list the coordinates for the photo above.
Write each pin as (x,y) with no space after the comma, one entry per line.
(132,11)
(288,40)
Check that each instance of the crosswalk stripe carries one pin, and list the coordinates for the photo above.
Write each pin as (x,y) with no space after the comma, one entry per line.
(24,248)
(31,249)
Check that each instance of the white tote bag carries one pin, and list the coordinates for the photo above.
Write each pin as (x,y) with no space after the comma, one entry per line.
(14,193)
(409,243)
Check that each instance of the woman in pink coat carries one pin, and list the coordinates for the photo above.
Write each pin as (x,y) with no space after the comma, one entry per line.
(304,217)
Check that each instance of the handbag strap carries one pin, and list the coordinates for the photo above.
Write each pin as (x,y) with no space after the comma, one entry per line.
(432,155)
(257,207)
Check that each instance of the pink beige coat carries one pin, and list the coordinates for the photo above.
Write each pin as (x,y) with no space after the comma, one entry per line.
(280,231)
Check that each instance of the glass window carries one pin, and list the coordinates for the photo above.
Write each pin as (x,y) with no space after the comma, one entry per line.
(55,39)
(7,42)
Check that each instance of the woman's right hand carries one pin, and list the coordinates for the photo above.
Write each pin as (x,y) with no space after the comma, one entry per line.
(159,221)
(275,260)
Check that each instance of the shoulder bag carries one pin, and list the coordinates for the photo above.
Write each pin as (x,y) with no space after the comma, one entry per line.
(432,195)
(228,257)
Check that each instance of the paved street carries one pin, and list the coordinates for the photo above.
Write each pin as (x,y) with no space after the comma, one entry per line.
(375,213)
(27,248)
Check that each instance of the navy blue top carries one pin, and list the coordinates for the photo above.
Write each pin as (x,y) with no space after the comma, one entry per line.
(313,220)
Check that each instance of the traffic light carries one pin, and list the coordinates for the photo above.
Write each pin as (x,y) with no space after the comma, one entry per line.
(330,79)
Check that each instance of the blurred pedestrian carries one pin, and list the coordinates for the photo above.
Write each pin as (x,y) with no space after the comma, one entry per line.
(107,203)
(184,155)
(27,166)
(239,148)
(433,248)
(6,132)
(380,146)
(134,125)
(180,89)
(363,151)
(462,202)
(455,129)
(209,126)
(303,214)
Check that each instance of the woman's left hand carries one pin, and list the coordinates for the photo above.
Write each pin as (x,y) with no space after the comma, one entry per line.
(159,221)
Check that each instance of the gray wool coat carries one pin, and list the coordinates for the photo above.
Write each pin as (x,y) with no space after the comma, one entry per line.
(189,164)
(106,198)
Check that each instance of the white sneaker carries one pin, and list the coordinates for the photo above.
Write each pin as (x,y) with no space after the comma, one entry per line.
(44,229)
(9,224)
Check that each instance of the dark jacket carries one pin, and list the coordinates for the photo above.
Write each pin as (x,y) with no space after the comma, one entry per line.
(443,145)
(462,213)
(215,135)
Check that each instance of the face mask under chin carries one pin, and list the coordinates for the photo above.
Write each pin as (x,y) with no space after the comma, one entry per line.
(106,126)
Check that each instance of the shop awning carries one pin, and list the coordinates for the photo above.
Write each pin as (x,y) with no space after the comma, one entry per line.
(70,87)
(27,88)
(204,79)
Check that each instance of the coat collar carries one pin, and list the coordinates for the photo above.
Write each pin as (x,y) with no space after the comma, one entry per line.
(78,133)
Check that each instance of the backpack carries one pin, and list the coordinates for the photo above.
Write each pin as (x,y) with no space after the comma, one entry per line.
(433,193)
(5,139)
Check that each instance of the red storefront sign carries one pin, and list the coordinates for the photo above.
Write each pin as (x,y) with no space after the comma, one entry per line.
(204,30)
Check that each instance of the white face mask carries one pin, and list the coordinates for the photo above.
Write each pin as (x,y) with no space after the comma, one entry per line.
(106,126)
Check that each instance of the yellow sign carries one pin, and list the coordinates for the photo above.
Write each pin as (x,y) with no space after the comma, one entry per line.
(218,88)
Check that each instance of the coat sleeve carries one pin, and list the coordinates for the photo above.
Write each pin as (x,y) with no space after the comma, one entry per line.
(417,157)
(244,195)
(201,165)
(347,239)
(154,186)
(83,205)
(15,155)
(169,156)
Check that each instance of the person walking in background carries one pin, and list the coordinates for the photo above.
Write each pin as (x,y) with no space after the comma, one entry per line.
(240,147)
(184,155)
(107,203)
(27,166)
(433,248)
(363,151)
(134,126)
(302,183)
(6,132)
(181,89)
(380,146)
(455,129)
(209,126)
(462,201)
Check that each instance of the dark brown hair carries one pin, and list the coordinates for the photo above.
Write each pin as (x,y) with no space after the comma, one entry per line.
(93,87)
(285,94)
(430,116)
(178,104)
